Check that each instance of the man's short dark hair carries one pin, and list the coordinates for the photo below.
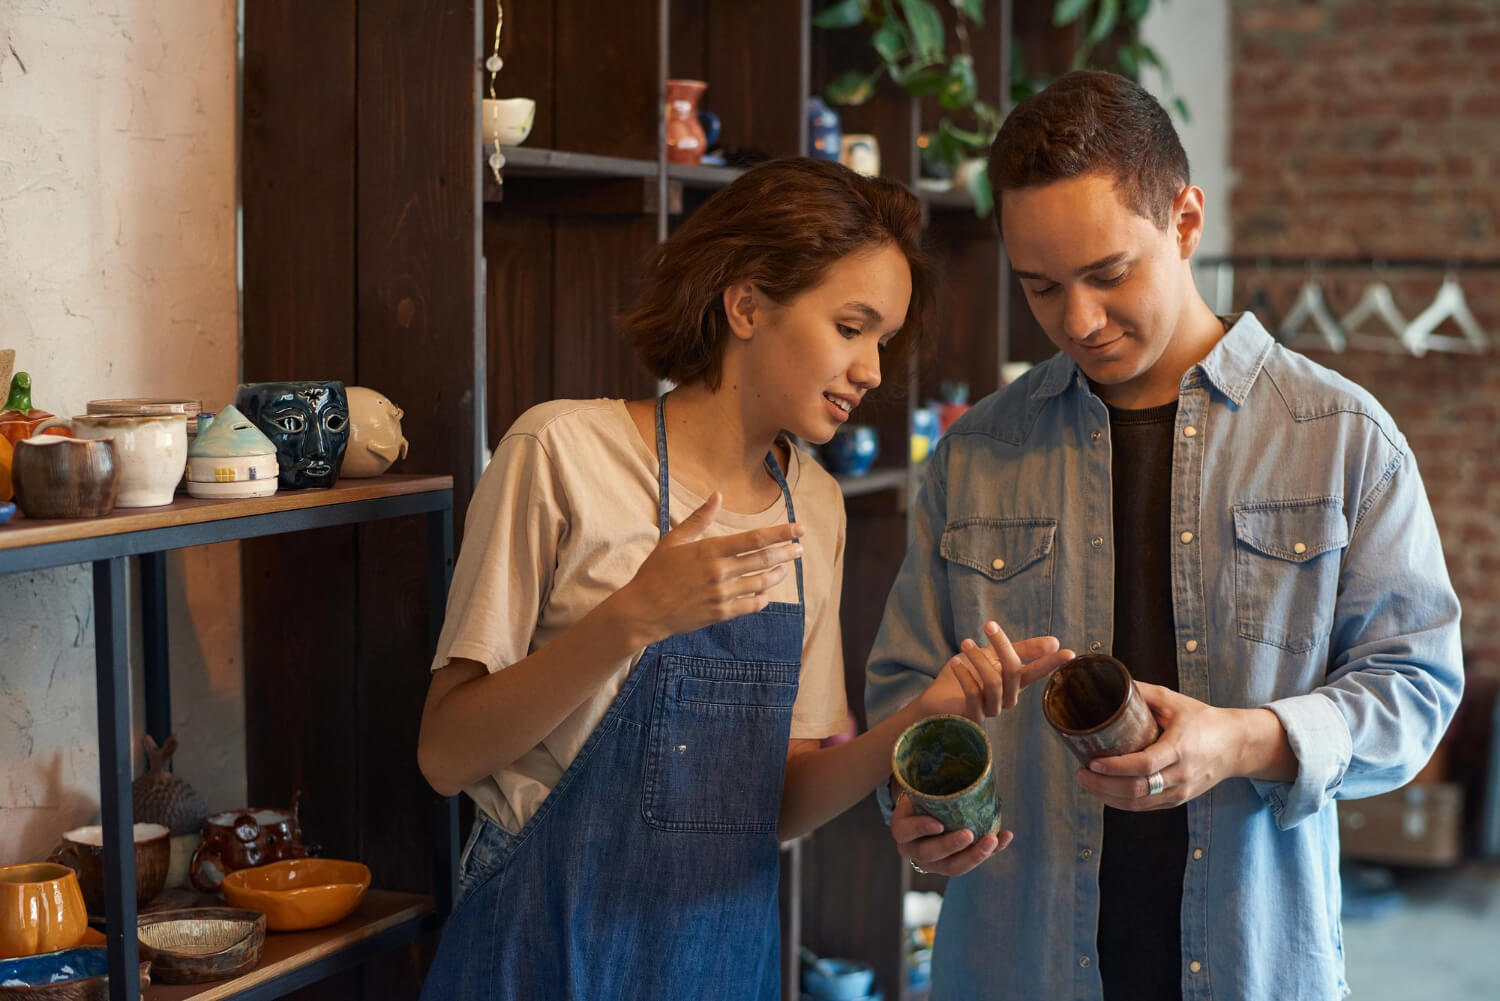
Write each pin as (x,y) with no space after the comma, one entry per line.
(1091,122)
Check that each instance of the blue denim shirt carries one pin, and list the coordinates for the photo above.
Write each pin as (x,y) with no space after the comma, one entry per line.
(1307,577)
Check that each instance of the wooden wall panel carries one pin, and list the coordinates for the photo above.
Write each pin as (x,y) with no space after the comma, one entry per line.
(598,262)
(518,315)
(608,94)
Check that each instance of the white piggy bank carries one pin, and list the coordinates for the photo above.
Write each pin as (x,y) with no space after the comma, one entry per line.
(375,439)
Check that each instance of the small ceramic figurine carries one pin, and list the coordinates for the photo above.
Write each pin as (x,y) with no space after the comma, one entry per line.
(824,136)
(375,439)
(18,418)
(308,422)
(230,457)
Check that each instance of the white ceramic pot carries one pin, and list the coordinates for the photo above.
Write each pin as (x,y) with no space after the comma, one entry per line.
(507,122)
(150,451)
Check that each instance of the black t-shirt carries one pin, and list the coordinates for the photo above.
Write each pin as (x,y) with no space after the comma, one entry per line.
(1141,861)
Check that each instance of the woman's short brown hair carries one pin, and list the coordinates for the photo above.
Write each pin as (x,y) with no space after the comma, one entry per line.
(779,226)
(1092,122)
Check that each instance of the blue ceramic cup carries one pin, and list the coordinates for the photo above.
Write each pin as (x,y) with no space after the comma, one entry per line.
(944,764)
(852,449)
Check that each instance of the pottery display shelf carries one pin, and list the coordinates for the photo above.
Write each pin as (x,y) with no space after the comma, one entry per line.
(537,164)
(384,920)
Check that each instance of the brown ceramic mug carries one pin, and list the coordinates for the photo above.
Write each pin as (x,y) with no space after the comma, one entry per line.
(1095,706)
(82,850)
(239,839)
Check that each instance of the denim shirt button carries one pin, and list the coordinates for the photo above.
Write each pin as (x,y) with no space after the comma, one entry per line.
(1083,961)
(1186,537)
(1189,431)
(1095,646)
(1299,548)
(1191,645)
(997,564)
(1197,854)
(1097,541)
(1086,854)
(1195,966)
(1096,435)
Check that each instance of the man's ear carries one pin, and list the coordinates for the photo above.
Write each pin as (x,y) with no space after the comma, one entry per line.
(742,307)
(1187,220)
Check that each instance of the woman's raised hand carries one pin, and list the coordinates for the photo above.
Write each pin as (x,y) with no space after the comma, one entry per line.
(689,582)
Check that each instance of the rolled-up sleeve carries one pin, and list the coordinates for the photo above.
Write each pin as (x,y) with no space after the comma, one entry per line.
(1396,665)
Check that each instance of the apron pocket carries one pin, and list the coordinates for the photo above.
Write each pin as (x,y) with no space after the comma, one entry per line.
(716,754)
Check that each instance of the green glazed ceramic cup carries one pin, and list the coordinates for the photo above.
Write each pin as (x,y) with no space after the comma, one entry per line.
(945,765)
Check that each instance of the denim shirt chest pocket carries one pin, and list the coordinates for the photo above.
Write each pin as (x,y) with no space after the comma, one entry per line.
(1001,569)
(1288,555)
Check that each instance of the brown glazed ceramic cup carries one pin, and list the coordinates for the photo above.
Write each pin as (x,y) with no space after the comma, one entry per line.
(241,839)
(82,849)
(1096,708)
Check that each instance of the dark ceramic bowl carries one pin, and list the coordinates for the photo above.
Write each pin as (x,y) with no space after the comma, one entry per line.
(80,974)
(58,477)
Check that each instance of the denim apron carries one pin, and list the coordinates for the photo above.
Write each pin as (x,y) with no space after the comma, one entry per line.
(650,871)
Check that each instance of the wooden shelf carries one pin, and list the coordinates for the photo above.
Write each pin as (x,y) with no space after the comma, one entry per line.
(527,161)
(703,175)
(872,482)
(397,917)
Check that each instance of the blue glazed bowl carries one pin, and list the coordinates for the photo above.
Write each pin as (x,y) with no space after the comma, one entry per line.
(852,450)
(838,980)
(66,975)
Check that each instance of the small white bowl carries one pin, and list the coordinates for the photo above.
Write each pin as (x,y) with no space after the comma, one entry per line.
(507,122)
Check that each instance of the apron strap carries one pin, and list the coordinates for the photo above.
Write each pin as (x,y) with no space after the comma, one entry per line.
(664,488)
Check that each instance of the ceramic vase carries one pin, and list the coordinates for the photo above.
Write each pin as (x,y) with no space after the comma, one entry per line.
(686,141)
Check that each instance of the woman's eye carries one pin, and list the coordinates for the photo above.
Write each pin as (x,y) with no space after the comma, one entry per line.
(290,423)
(848,331)
(335,422)
(1041,291)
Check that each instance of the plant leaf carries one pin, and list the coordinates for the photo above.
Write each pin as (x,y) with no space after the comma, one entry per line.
(1182,109)
(960,85)
(924,81)
(1068,11)
(1148,55)
(891,41)
(974,9)
(927,29)
(843,14)
(853,87)
(1104,21)
(1128,61)
(1137,9)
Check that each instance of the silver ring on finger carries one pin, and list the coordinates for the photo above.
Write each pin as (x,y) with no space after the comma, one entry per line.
(917,868)
(1155,783)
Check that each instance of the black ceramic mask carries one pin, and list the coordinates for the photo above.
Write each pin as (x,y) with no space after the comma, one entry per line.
(309,424)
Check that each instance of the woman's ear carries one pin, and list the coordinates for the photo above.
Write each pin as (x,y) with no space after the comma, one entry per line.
(742,307)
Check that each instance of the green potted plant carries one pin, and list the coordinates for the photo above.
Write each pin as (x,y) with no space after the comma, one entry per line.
(912,47)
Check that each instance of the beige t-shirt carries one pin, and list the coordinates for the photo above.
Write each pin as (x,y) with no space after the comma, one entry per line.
(563,517)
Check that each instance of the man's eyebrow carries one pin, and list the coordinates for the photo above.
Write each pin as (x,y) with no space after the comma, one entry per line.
(1103,262)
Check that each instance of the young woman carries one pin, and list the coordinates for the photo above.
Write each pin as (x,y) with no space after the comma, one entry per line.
(642,644)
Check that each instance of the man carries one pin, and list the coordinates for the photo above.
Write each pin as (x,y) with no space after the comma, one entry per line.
(1245,529)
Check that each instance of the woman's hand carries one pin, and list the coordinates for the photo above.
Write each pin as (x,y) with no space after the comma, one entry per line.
(687,582)
(981,681)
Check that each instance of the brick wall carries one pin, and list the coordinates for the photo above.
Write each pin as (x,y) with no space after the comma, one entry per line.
(1363,129)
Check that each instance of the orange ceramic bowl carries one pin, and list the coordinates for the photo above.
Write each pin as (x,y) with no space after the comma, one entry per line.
(41,909)
(296,894)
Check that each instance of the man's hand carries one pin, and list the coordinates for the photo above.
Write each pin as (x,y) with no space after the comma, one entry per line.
(1200,746)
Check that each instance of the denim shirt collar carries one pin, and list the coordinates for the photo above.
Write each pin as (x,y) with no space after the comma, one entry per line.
(1231,367)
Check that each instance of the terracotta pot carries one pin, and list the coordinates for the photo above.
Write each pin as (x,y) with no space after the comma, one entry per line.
(1096,708)
(64,477)
(239,839)
(82,849)
(686,140)
(41,909)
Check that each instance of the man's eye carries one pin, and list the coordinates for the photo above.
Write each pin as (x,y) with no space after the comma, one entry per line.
(290,423)
(1110,281)
(335,422)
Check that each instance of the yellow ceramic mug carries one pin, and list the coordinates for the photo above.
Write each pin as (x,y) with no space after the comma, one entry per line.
(41,909)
